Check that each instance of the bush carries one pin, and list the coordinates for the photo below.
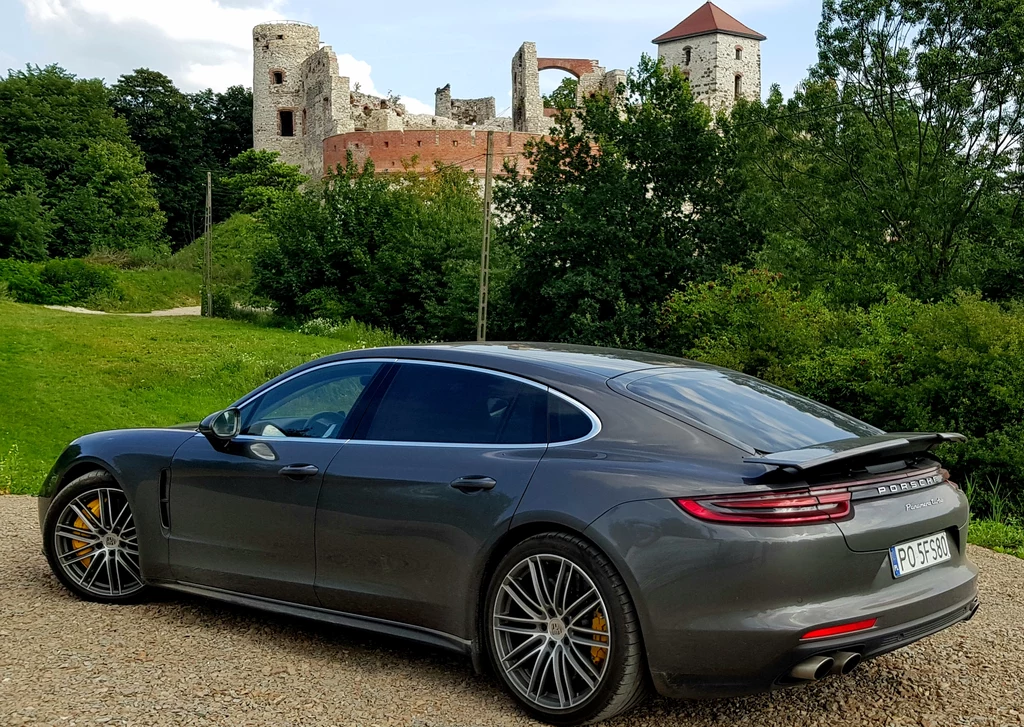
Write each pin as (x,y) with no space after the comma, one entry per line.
(398,251)
(57,282)
(902,365)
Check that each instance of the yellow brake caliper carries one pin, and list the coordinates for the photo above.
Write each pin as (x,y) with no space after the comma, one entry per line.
(598,653)
(77,545)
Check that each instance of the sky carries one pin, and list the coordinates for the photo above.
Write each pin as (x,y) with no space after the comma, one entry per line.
(409,47)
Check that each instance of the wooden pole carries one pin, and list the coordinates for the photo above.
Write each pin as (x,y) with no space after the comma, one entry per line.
(208,248)
(485,250)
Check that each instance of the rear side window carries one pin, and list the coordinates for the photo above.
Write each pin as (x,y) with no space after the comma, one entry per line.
(746,409)
(565,421)
(445,404)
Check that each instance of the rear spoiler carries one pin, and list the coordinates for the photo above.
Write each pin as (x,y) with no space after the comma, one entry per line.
(846,451)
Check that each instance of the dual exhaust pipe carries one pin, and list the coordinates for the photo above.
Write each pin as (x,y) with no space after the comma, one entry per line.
(818,667)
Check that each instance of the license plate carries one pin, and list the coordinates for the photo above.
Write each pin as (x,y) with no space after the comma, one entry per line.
(919,554)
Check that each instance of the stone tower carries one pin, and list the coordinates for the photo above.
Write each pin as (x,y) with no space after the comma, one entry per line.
(279,51)
(720,55)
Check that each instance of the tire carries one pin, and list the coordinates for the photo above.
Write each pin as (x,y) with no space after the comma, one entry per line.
(90,541)
(583,606)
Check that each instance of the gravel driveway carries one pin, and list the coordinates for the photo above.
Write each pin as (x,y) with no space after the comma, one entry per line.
(179,661)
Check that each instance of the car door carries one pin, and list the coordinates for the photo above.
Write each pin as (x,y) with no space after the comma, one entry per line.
(433,474)
(241,514)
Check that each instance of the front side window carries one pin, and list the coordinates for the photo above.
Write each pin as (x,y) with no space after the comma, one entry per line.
(447,404)
(747,410)
(314,405)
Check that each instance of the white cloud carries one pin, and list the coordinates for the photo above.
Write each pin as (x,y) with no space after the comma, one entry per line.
(198,43)
(415,106)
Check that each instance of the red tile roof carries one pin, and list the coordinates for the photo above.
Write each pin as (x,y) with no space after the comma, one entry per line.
(708,18)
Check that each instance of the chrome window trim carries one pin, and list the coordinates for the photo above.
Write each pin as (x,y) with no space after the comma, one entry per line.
(595,421)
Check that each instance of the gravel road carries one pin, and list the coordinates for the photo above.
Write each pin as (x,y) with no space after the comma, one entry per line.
(182,661)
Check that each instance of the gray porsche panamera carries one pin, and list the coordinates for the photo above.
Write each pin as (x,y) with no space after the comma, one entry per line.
(586,523)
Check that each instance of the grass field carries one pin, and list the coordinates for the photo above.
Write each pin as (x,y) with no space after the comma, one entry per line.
(65,374)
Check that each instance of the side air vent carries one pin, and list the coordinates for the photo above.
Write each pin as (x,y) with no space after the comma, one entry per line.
(165,498)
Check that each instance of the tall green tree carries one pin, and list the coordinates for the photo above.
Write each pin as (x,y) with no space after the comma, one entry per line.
(394,251)
(258,179)
(896,162)
(60,137)
(626,202)
(170,132)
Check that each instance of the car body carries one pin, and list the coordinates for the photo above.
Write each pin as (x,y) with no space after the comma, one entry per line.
(660,467)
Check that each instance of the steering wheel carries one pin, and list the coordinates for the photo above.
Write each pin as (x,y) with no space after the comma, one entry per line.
(324,424)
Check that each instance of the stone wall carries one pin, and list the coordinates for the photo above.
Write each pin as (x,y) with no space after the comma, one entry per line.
(396,151)
(324,92)
(713,66)
(527,106)
(280,47)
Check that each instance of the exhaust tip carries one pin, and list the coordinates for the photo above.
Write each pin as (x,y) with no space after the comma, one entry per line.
(845,661)
(813,669)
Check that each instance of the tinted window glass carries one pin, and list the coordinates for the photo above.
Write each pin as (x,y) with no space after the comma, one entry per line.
(565,421)
(748,410)
(446,404)
(313,405)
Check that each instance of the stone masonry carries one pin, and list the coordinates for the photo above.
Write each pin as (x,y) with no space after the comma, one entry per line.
(315,118)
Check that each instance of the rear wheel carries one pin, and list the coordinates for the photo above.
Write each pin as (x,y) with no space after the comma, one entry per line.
(91,541)
(562,631)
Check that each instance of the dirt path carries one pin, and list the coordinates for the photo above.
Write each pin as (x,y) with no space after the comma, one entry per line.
(192,310)
(182,661)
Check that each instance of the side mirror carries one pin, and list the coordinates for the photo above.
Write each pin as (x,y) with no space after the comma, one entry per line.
(222,427)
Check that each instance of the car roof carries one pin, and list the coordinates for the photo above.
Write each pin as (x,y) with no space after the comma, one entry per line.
(525,358)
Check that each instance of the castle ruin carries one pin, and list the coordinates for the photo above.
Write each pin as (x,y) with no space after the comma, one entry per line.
(315,118)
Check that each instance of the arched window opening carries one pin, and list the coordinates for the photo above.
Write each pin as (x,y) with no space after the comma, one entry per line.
(739,53)
(738,88)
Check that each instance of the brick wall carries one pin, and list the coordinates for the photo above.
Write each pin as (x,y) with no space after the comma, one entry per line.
(389,149)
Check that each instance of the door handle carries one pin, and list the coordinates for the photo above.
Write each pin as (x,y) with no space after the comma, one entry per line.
(474,483)
(299,471)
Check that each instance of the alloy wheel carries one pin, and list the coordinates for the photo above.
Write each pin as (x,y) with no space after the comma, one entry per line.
(551,632)
(96,544)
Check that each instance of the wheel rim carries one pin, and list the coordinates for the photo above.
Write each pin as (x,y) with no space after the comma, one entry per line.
(96,543)
(551,632)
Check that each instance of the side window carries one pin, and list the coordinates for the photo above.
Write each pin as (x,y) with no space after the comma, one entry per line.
(314,405)
(460,406)
(565,421)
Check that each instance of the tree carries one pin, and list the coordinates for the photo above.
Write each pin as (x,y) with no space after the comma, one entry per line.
(171,133)
(896,162)
(54,127)
(259,180)
(394,251)
(227,122)
(627,201)
(563,97)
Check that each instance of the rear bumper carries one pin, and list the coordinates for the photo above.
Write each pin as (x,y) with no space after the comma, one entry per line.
(723,608)
(777,675)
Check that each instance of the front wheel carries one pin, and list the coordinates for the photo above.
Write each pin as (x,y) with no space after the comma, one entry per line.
(562,632)
(91,541)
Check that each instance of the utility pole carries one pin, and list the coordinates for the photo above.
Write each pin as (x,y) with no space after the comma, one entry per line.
(485,251)
(208,248)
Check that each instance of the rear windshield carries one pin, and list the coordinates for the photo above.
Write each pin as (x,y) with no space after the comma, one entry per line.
(746,409)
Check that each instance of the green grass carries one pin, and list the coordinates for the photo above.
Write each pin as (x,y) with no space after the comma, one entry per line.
(145,290)
(1000,537)
(66,374)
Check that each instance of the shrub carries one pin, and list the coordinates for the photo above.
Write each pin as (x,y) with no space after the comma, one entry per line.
(902,365)
(57,282)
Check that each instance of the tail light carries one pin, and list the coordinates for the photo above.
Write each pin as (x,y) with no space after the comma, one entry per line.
(773,508)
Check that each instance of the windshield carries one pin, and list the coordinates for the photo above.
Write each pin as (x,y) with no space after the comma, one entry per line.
(746,409)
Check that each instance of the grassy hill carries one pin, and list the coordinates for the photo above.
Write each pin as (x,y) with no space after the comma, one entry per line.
(67,374)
